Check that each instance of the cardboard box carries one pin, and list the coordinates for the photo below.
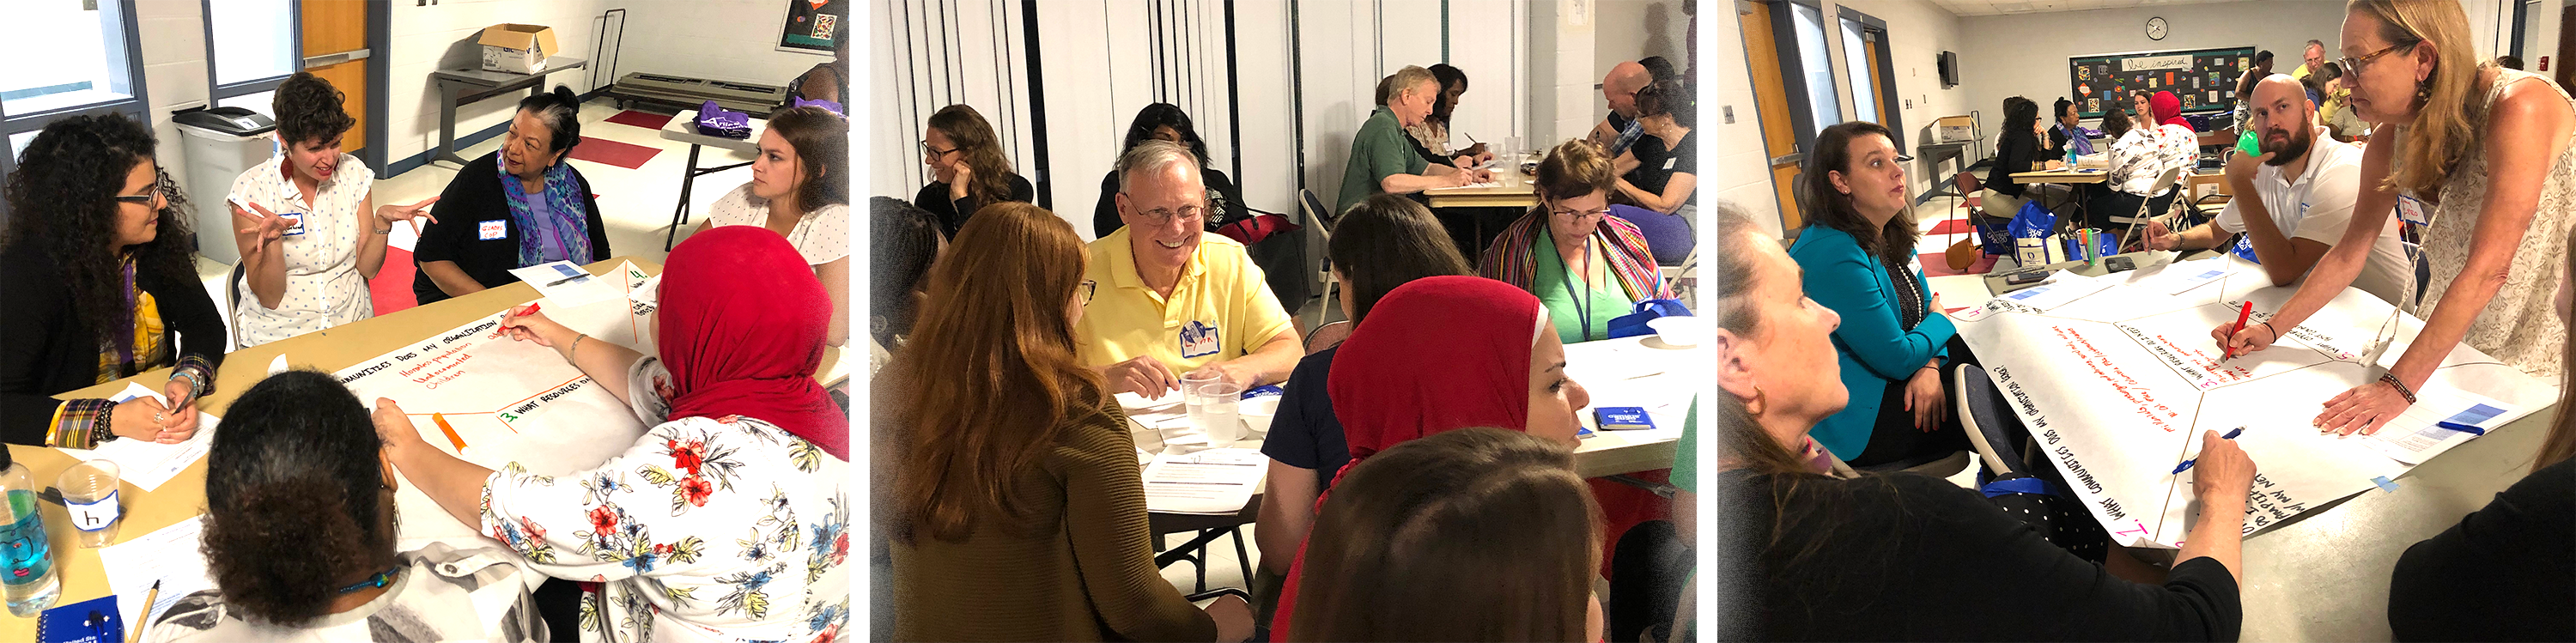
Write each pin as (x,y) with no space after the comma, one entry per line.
(518,49)
(1955,129)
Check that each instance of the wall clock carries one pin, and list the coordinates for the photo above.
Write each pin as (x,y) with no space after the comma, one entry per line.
(2156,28)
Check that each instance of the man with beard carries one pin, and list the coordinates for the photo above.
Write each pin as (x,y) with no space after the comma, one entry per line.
(2303,187)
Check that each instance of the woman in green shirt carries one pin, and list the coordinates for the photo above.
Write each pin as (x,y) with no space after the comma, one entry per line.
(1586,266)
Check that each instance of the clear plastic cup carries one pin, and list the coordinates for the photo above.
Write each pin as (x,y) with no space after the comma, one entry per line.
(89,496)
(1218,413)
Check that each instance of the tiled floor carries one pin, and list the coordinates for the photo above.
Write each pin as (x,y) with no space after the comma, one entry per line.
(636,204)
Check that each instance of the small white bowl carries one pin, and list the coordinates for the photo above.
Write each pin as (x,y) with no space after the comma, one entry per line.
(1257,414)
(1678,331)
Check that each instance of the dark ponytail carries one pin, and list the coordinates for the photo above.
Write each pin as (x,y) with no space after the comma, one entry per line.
(560,110)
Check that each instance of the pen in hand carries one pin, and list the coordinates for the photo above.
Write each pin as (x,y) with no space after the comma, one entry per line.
(2231,435)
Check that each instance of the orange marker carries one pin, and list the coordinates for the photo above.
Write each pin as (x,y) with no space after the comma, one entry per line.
(449,430)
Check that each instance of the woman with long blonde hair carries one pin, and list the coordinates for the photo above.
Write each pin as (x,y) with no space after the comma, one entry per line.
(1018,508)
(2477,159)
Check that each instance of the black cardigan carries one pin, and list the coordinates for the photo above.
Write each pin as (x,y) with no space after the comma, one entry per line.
(472,198)
(46,349)
(1224,200)
(1907,557)
(952,214)
(2014,152)
(2505,573)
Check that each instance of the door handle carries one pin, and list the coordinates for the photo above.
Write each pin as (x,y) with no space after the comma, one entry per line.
(326,60)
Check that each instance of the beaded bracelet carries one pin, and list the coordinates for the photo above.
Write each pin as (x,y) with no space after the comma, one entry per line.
(102,429)
(2391,379)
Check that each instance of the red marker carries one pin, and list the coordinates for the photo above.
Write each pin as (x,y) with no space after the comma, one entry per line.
(532,309)
(2229,345)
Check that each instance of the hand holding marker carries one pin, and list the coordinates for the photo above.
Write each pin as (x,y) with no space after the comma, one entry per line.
(2231,435)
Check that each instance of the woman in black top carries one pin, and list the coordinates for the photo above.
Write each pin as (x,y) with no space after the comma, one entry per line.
(101,284)
(2506,572)
(1167,122)
(2018,149)
(1906,556)
(1384,242)
(521,206)
(968,169)
(1666,175)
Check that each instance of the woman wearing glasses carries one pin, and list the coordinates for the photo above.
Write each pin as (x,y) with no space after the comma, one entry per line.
(1018,505)
(1894,339)
(2482,168)
(1586,266)
(101,286)
(967,169)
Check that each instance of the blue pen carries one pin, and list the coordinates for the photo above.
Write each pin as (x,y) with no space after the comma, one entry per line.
(2186,464)
(2470,429)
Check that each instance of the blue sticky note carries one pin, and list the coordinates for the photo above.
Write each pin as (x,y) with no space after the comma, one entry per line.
(2384,484)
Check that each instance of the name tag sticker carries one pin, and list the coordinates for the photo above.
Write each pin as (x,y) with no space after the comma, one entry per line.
(294,223)
(492,230)
(2411,211)
(1668,163)
(1198,339)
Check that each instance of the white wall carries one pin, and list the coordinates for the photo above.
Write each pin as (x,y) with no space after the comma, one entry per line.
(1734,166)
(1635,29)
(719,39)
(441,36)
(2541,35)
(2025,55)
(173,36)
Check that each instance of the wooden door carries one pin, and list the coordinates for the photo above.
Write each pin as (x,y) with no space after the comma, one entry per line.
(333,28)
(2566,47)
(1771,102)
(1874,42)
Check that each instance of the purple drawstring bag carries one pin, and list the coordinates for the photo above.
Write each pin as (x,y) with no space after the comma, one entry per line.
(718,121)
(829,106)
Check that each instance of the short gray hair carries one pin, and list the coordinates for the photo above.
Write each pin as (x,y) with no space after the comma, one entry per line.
(1152,156)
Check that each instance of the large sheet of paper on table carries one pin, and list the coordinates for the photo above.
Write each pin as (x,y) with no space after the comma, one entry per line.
(508,400)
(2117,387)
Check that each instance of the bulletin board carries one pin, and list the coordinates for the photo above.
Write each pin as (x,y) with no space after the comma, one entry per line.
(2205,79)
(813,26)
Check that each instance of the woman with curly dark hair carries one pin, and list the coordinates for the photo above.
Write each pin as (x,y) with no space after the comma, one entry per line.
(300,531)
(310,235)
(967,168)
(520,206)
(1166,121)
(101,286)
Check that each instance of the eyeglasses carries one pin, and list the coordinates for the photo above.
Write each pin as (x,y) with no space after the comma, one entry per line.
(137,199)
(1086,290)
(932,152)
(1164,216)
(2352,65)
(1570,214)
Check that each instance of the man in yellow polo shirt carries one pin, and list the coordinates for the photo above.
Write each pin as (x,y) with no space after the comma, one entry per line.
(1168,298)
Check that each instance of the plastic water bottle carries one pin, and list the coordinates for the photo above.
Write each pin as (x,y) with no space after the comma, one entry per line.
(26,558)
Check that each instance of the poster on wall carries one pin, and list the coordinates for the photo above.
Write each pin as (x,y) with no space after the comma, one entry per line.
(2189,74)
(813,26)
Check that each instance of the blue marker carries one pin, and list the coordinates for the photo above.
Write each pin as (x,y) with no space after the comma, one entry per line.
(2186,464)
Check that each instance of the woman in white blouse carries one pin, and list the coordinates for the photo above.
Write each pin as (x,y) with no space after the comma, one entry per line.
(800,189)
(305,223)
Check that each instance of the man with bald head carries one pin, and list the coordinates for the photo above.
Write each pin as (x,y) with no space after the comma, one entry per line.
(1620,89)
(2303,188)
(1163,298)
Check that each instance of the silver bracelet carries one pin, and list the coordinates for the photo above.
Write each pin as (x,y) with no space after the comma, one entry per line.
(576,346)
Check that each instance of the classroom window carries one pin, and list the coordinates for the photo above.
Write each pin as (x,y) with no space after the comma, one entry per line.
(251,44)
(1816,65)
(1856,54)
(18,143)
(83,49)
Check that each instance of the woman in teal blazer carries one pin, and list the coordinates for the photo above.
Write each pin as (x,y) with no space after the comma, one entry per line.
(1856,253)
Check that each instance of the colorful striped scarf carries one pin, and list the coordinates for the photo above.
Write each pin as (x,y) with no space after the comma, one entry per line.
(1512,261)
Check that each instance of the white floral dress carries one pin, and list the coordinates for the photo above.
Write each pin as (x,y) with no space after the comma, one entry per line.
(2516,325)
(708,529)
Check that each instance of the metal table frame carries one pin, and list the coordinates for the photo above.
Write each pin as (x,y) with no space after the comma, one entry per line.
(452,91)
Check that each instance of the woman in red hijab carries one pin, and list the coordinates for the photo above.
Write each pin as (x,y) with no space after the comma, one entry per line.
(1440,354)
(2168,110)
(736,492)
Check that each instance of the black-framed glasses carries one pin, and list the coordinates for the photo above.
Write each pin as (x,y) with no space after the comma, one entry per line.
(932,152)
(2353,65)
(137,199)
(1087,290)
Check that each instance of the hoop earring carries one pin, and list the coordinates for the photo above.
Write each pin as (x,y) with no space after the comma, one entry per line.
(1755,406)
